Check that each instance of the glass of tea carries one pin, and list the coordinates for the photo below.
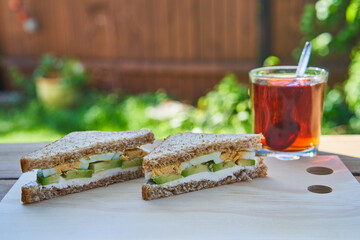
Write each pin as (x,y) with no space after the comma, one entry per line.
(287,110)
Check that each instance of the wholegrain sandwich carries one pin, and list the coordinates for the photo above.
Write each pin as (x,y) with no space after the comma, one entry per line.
(188,162)
(84,160)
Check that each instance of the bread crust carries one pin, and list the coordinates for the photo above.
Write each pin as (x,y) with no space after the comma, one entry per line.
(183,147)
(151,192)
(36,193)
(75,145)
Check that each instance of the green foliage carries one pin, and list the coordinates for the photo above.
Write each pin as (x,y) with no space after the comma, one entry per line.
(226,109)
(336,113)
(333,26)
(21,81)
(352,90)
(96,111)
(352,85)
(71,71)
(271,61)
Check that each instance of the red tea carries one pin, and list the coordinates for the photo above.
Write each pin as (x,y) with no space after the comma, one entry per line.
(289,117)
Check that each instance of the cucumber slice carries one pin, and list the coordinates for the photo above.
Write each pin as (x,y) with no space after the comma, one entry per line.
(101,166)
(47,180)
(132,163)
(195,169)
(223,165)
(166,178)
(245,162)
(78,173)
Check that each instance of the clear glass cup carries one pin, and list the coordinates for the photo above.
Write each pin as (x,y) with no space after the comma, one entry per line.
(287,110)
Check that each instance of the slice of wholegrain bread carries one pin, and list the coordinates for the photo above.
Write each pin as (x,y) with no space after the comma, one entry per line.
(153,191)
(75,145)
(184,146)
(34,192)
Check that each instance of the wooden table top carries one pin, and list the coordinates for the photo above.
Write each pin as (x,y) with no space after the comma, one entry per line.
(347,147)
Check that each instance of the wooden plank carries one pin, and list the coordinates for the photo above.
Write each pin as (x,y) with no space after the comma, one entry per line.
(247,25)
(51,36)
(112,74)
(286,36)
(10,155)
(206,18)
(5,186)
(138,29)
(160,39)
(280,29)
(345,146)
(264,29)
(183,30)
(234,21)
(95,26)
(189,32)
(219,29)
(63,28)
(121,12)
(134,29)
(300,214)
(12,35)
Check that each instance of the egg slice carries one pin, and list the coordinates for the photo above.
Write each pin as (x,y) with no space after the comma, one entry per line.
(248,155)
(101,157)
(97,158)
(215,156)
(48,172)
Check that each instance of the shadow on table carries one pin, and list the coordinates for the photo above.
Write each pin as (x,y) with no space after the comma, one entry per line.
(340,155)
(346,159)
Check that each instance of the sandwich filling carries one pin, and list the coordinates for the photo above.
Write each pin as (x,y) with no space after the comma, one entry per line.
(204,166)
(89,166)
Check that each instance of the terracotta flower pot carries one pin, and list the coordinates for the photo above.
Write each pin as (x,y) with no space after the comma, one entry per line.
(53,94)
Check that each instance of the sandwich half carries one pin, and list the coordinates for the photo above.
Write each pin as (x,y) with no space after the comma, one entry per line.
(84,160)
(188,162)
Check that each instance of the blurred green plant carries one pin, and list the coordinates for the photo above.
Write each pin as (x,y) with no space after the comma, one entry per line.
(226,109)
(271,61)
(336,112)
(19,80)
(96,111)
(333,26)
(69,70)
(352,91)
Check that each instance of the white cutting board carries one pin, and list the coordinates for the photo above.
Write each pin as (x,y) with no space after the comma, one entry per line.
(276,207)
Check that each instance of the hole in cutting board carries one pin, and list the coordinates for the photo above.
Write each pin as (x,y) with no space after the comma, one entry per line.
(321,189)
(319,170)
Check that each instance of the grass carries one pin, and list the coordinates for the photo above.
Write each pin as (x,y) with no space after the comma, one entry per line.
(28,136)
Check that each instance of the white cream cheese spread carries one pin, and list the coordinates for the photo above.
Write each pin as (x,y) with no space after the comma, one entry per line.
(63,183)
(215,156)
(212,176)
(86,161)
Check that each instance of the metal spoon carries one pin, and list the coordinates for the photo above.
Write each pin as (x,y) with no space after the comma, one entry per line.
(303,63)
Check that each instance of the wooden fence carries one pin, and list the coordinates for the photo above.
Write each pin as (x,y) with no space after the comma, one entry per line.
(182,46)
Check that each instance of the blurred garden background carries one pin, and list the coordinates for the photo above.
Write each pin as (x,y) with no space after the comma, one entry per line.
(164,65)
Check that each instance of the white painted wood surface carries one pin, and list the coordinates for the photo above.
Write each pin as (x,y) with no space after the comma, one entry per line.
(276,207)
